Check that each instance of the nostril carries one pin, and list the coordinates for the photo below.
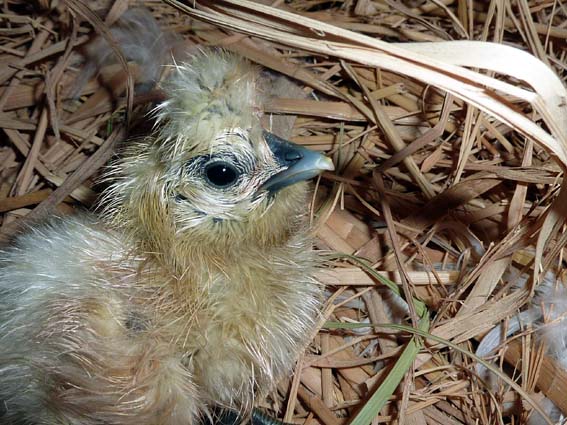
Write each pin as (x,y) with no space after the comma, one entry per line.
(293,156)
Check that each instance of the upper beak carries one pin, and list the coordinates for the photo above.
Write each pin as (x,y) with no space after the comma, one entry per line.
(301,163)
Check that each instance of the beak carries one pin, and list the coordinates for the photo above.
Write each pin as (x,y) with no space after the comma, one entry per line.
(301,163)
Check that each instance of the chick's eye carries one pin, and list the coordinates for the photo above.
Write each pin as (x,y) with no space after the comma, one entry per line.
(221,174)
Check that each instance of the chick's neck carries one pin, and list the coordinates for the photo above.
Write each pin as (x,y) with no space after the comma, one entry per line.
(230,245)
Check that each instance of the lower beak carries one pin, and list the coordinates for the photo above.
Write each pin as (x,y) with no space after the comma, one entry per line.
(300,163)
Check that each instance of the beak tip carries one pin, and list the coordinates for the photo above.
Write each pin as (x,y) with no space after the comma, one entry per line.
(325,164)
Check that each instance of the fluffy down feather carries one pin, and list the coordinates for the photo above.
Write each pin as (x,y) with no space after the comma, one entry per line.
(546,315)
(140,40)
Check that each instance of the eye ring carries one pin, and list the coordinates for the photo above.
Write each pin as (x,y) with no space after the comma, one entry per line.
(221,174)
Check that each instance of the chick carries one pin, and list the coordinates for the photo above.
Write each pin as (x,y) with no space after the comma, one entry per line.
(192,287)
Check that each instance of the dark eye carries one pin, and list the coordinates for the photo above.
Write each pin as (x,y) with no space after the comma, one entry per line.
(221,174)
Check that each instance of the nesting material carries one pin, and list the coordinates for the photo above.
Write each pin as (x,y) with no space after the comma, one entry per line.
(449,161)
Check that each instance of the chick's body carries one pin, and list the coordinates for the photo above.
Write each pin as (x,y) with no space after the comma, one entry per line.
(193,287)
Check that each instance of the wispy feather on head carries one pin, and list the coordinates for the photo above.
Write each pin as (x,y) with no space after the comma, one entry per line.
(212,92)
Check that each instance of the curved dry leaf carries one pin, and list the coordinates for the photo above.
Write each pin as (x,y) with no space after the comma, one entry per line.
(505,60)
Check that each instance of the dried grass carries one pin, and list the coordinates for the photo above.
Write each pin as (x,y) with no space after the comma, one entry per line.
(448,181)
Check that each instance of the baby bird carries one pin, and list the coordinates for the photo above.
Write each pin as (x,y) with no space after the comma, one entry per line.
(192,288)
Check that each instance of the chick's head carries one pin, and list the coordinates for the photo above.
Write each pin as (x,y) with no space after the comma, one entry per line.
(210,175)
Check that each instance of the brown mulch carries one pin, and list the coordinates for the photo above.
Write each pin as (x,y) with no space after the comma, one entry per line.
(433,190)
